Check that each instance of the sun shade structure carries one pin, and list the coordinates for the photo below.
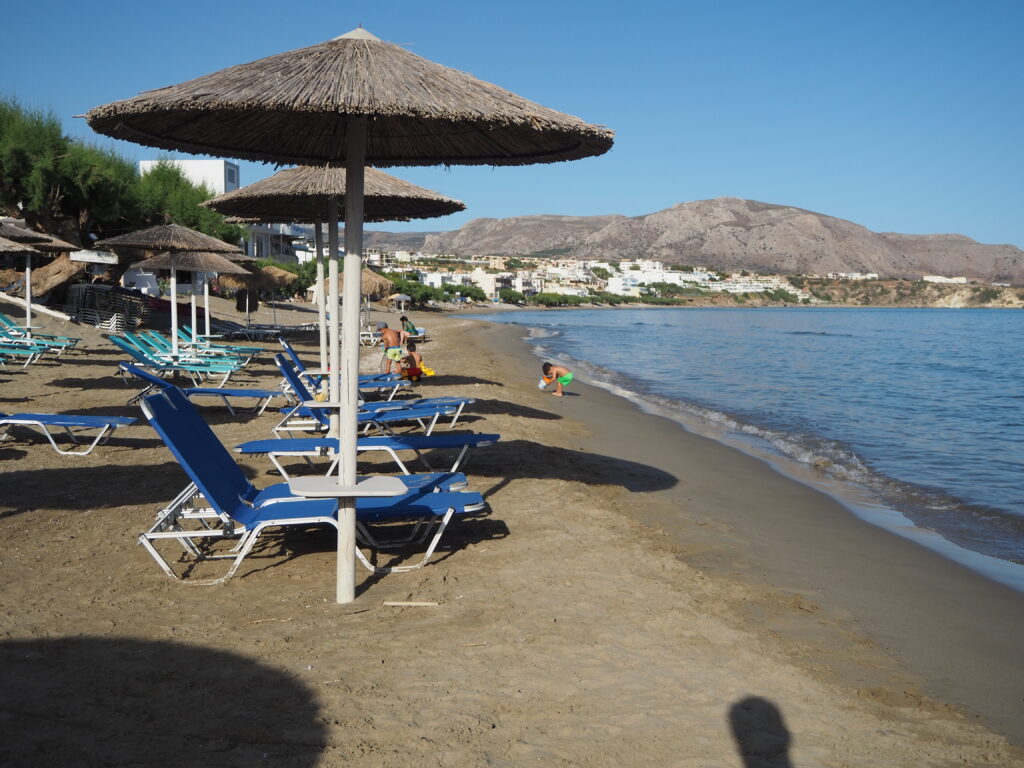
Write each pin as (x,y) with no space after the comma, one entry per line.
(356,101)
(172,238)
(419,112)
(184,249)
(39,243)
(301,194)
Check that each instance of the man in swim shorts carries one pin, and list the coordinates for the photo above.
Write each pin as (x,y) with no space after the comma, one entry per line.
(559,374)
(391,340)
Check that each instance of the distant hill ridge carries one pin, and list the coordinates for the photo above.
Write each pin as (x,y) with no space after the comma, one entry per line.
(727,233)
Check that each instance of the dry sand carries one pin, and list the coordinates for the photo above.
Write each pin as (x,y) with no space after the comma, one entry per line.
(637,596)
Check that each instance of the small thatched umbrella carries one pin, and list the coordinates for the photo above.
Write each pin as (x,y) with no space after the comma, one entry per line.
(302,194)
(196,263)
(182,248)
(40,243)
(357,101)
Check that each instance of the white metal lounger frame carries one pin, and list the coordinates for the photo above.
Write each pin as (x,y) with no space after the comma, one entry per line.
(169,520)
(104,434)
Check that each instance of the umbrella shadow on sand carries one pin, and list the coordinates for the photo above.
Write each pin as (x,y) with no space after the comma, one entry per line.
(510,460)
(118,701)
(456,380)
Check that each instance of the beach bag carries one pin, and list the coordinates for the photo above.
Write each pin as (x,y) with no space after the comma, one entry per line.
(428,371)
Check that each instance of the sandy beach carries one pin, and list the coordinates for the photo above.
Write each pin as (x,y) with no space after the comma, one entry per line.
(638,595)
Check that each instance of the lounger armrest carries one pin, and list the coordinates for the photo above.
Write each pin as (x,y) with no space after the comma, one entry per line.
(328,487)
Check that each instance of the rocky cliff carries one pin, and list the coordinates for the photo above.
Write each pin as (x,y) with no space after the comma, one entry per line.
(732,234)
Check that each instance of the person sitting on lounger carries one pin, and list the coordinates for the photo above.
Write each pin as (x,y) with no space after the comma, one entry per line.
(559,375)
(409,326)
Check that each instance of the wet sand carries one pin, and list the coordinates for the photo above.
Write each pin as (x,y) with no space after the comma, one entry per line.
(637,596)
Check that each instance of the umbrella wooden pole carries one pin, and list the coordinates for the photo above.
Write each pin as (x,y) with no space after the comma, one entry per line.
(355,157)
(28,295)
(174,309)
(321,287)
(334,364)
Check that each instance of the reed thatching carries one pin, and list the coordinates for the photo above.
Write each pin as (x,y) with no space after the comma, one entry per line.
(268,278)
(54,245)
(275,277)
(301,194)
(16,249)
(191,261)
(293,108)
(168,237)
(371,285)
(18,234)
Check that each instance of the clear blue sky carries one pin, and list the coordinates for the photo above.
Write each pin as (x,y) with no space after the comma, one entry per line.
(902,116)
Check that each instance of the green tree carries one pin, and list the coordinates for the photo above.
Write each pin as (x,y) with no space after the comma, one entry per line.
(510,296)
(600,273)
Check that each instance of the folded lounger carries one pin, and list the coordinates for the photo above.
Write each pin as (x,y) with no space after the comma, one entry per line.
(69,422)
(235,509)
(309,447)
(263,396)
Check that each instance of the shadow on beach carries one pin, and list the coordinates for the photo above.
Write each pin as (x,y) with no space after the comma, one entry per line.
(512,459)
(762,738)
(99,701)
(90,487)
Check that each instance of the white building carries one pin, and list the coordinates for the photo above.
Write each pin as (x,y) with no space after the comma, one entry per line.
(943,279)
(218,176)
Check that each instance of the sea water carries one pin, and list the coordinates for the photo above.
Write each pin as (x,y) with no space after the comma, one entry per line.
(915,411)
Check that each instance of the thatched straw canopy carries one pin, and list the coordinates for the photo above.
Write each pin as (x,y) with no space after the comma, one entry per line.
(169,237)
(294,107)
(54,245)
(192,261)
(15,248)
(21,235)
(275,277)
(301,194)
(268,278)
(372,284)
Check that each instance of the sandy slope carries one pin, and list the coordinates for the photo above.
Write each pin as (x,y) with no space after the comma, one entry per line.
(566,632)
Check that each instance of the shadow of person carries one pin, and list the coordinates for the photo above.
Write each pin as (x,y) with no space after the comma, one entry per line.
(117,701)
(760,732)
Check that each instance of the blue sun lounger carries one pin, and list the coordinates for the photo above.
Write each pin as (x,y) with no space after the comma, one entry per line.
(221,503)
(70,423)
(305,417)
(368,382)
(20,352)
(263,396)
(312,447)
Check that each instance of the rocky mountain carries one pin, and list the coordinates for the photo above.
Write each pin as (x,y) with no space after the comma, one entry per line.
(728,233)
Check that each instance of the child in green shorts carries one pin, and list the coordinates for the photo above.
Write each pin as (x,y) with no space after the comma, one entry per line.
(559,374)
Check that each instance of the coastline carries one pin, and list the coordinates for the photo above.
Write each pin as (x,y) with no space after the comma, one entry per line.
(778,535)
(632,587)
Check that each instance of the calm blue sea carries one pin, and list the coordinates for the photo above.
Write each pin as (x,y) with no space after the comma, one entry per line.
(918,411)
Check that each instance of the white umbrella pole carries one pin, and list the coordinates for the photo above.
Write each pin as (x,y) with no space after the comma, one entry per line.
(174,308)
(321,287)
(28,295)
(195,312)
(334,356)
(355,156)
(206,302)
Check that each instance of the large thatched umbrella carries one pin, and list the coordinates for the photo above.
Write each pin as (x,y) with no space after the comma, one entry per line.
(301,194)
(355,101)
(40,243)
(183,249)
